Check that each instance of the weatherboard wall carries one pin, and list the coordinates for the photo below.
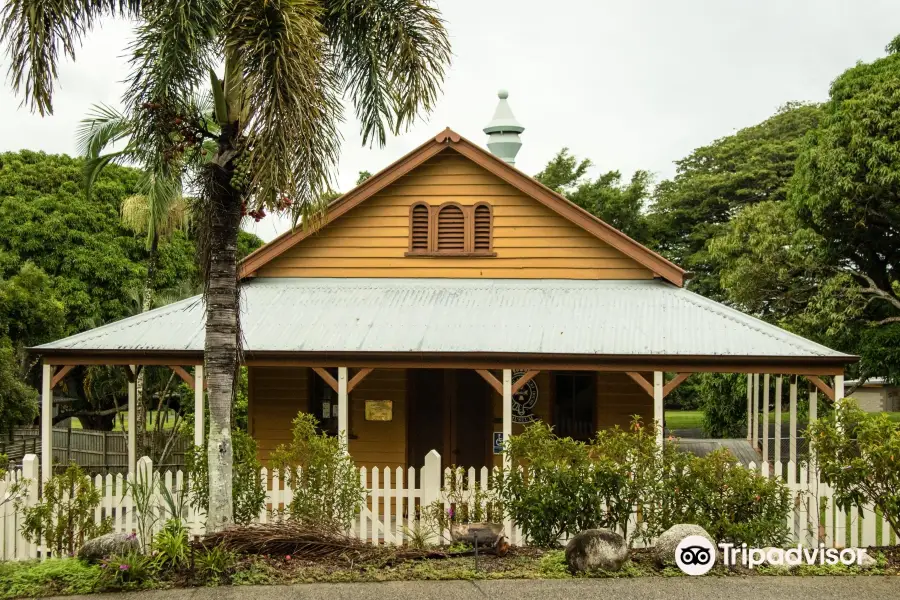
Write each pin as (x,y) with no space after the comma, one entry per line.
(529,239)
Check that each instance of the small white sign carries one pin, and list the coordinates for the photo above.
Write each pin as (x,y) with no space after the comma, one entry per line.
(326,410)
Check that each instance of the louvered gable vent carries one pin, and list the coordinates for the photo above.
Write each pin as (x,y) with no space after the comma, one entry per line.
(451,229)
(419,224)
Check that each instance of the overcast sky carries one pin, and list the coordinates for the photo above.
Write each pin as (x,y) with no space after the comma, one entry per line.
(631,84)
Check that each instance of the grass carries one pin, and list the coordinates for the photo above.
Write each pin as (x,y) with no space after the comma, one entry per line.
(151,421)
(693,419)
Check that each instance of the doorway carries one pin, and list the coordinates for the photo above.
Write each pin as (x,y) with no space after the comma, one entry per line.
(449,411)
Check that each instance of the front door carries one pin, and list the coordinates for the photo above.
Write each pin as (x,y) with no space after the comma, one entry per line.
(449,411)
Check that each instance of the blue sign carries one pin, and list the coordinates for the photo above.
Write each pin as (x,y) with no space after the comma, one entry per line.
(498,442)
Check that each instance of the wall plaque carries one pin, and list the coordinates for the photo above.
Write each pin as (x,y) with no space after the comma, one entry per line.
(379,410)
(524,400)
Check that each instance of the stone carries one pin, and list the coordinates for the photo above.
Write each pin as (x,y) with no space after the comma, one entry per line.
(98,548)
(669,540)
(867,562)
(594,549)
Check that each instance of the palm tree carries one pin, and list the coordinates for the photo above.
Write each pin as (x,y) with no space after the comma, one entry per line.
(287,65)
(158,211)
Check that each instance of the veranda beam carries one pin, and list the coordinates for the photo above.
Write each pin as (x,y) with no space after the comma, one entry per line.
(343,413)
(826,389)
(525,378)
(326,376)
(492,381)
(357,378)
(507,413)
(676,381)
(639,379)
(199,416)
(60,373)
(47,422)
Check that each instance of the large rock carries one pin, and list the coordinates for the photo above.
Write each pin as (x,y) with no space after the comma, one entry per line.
(594,549)
(101,547)
(669,540)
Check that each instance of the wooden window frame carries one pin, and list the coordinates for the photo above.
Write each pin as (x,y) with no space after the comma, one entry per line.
(468,250)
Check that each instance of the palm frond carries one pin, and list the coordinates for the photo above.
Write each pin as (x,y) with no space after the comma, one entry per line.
(292,95)
(103,126)
(159,210)
(36,32)
(392,55)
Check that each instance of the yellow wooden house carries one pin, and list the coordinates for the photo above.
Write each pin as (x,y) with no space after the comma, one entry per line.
(445,303)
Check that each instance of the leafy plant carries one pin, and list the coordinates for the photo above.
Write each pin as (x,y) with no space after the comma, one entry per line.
(126,570)
(248,491)
(858,454)
(153,501)
(215,564)
(171,548)
(64,517)
(55,576)
(322,476)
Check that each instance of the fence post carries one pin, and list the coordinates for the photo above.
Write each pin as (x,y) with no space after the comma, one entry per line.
(31,474)
(431,484)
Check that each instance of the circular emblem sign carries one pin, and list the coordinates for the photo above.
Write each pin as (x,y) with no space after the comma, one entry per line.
(695,555)
(524,400)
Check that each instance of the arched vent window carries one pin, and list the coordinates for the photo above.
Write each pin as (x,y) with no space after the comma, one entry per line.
(482,240)
(419,229)
(451,229)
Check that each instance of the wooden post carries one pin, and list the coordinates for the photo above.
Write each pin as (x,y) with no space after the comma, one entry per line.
(199,424)
(26,549)
(838,388)
(343,411)
(765,408)
(132,420)
(755,411)
(749,407)
(47,422)
(658,414)
(430,487)
(507,413)
(778,384)
(793,421)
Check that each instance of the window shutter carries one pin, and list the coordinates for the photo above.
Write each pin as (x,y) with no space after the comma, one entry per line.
(419,224)
(482,228)
(451,230)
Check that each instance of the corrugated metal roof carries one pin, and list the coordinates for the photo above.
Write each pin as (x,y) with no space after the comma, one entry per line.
(641,317)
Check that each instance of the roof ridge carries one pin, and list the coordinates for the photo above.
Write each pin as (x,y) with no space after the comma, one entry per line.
(749,321)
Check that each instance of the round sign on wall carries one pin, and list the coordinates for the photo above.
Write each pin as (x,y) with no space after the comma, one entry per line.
(524,400)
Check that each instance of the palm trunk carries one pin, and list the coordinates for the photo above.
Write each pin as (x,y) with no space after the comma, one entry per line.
(222,330)
(140,419)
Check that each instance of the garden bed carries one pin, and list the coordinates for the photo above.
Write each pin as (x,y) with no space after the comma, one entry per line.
(72,576)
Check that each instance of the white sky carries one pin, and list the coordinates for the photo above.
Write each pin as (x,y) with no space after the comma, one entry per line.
(631,84)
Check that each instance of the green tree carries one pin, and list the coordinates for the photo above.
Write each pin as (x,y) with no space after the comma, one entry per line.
(715,182)
(620,205)
(287,65)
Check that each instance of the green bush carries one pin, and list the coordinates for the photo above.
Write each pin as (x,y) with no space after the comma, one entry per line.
(215,565)
(64,517)
(248,492)
(563,487)
(171,547)
(126,570)
(482,506)
(731,502)
(56,576)
(858,454)
(322,476)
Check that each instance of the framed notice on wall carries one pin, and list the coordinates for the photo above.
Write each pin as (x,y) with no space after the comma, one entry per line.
(379,410)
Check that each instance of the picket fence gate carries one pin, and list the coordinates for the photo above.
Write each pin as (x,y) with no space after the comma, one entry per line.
(394,497)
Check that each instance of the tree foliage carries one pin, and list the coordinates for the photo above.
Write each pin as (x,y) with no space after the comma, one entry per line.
(620,205)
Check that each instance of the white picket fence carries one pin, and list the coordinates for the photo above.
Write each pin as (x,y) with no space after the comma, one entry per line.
(395,497)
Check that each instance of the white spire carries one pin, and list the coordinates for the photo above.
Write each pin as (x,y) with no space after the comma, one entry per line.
(503,131)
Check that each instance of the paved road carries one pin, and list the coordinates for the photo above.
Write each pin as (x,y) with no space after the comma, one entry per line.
(646,588)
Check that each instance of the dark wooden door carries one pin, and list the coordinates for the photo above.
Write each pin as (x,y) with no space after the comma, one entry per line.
(426,424)
(472,419)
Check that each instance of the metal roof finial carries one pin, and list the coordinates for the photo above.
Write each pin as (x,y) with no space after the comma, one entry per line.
(503,131)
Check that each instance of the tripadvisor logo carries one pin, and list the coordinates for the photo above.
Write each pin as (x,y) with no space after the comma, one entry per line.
(696,555)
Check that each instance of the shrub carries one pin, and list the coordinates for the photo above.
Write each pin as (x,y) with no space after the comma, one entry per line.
(64,517)
(55,576)
(248,492)
(731,502)
(215,564)
(479,505)
(322,476)
(126,570)
(170,546)
(858,454)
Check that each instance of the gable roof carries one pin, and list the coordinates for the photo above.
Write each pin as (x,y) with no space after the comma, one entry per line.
(449,139)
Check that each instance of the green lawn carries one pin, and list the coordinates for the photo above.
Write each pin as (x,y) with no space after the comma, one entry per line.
(151,422)
(693,419)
